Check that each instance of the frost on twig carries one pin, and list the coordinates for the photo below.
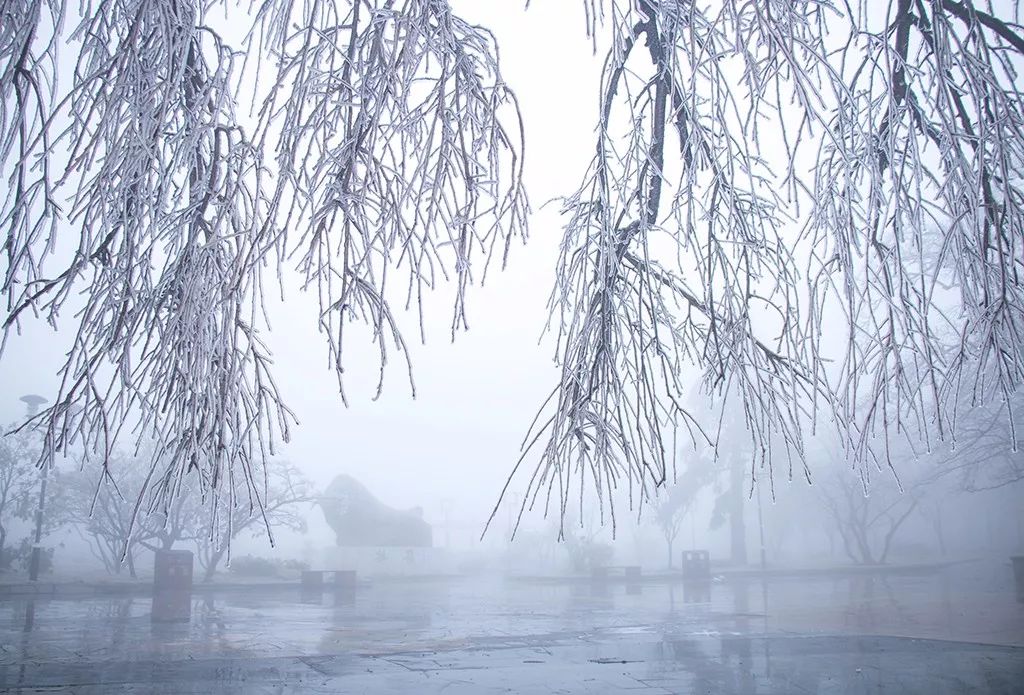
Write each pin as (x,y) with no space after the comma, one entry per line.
(813,207)
(400,146)
(816,206)
(389,147)
(166,197)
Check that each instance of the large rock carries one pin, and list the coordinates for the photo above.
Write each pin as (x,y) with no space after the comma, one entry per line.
(360,520)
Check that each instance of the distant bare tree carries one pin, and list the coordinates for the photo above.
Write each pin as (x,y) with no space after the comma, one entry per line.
(287,490)
(867,521)
(987,454)
(868,516)
(103,514)
(676,501)
(19,483)
(762,178)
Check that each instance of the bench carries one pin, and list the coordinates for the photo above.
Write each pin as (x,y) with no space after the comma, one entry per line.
(630,573)
(313,580)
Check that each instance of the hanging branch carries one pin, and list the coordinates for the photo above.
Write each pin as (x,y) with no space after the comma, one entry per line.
(392,145)
(167,195)
(767,176)
(629,324)
(387,123)
(29,209)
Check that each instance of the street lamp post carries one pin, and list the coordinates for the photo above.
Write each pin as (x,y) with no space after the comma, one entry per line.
(760,525)
(32,403)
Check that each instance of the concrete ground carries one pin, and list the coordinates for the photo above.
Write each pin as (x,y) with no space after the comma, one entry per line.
(960,630)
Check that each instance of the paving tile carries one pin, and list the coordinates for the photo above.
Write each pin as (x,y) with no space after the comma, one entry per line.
(479,637)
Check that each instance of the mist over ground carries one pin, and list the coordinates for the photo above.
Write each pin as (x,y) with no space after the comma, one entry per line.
(722,522)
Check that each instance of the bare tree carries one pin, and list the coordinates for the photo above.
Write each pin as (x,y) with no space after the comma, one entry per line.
(287,489)
(103,515)
(392,155)
(676,501)
(671,508)
(390,150)
(867,520)
(868,515)
(699,242)
(986,453)
(19,482)
(106,513)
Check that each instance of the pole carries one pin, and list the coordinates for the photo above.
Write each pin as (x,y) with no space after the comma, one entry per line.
(37,546)
(31,408)
(760,524)
(764,584)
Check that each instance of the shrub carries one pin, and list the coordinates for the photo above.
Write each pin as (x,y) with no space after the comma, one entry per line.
(253,566)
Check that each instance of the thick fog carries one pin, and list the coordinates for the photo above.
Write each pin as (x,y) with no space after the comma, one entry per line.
(450,449)
(456,442)
(940,521)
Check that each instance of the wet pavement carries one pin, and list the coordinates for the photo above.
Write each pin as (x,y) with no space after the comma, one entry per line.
(957,631)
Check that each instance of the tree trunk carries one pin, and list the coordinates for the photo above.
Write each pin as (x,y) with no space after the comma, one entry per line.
(738,531)
(940,533)
(211,567)
(894,528)
(860,535)
(669,552)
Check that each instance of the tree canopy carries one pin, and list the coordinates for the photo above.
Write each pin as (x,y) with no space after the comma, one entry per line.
(813,208)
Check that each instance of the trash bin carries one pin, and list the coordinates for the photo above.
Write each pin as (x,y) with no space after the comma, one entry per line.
(172,586)
(697,565)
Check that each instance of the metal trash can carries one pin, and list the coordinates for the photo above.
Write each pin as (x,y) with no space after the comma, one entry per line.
(696,564)
(172,586)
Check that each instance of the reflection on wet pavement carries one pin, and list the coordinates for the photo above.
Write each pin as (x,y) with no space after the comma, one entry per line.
(935,633)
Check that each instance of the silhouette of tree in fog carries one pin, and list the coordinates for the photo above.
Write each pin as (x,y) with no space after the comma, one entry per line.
(287,489)
(19,486)
(118,523)
(677,501)
(981,459)
(753,214)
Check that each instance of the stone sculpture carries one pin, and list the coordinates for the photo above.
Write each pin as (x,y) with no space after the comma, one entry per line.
(361,520)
